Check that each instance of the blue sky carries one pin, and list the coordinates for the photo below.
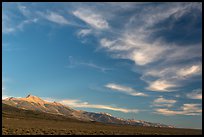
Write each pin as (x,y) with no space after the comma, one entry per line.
(132,60)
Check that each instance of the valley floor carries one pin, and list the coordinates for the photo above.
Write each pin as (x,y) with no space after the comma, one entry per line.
(36,126)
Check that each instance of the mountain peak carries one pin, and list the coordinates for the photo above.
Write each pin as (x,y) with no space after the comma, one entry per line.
(29,95)
(34,98)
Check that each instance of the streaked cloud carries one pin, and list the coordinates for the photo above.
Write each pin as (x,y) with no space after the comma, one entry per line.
(161,86)
(193,70)
(26,22)
(162,102)
(124,89)
(24,10)
(175,71)
(133,48)
(186,109)
(170,77)
(74,63)
(80,104)
(195,94)
(56,18)
(8,26)
(155,56)
(92,18)
(84,32)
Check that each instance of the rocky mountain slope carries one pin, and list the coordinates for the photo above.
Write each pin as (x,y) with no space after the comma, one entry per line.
(37,104)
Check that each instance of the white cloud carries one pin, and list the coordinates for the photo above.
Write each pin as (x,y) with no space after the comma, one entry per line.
(26,22)
(7,30)
(107,43)
(84,32)
(9,26)
(6,25)
(79,104)
(161,86)
(171,76)
(73,63)
(133,48)
(195,94)
(186,109)
(24,10)
(92,18)
(124,89)
(56,18)
(92,65)
(119,87)
(160,102)
(134,42)
(193,70)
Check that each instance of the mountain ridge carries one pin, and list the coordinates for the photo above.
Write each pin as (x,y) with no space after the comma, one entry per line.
(35,103)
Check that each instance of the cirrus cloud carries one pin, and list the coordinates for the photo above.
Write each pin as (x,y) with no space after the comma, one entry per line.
(95,20)
(195,94)
(56,18)
(124,89)
(162,102)
(186,109)
(161,86)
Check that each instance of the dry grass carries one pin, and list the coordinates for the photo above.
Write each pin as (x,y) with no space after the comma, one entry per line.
(12,126)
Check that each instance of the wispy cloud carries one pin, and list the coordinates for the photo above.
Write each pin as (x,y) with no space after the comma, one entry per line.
(186,109)
(139,40)
(124,89)
(162,102)
(193,70)
(95,20)
(56,18)
(80,104)
(8,26)
(195,94)
(24,10)
(26,22)
(175,71)
(84,32)
(161,86)
(169,78)
(74,63)
(130,47)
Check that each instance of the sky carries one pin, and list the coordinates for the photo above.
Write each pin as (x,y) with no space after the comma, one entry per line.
(131,60)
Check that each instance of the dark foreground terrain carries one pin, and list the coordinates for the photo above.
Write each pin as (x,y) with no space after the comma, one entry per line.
(24,122)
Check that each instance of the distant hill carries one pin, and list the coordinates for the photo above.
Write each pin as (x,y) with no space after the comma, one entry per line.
(38,105)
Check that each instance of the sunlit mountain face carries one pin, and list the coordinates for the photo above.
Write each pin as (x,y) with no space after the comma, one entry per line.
(138,61)
(37,104)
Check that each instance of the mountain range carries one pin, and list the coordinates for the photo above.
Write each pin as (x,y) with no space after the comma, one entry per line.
(37,104)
